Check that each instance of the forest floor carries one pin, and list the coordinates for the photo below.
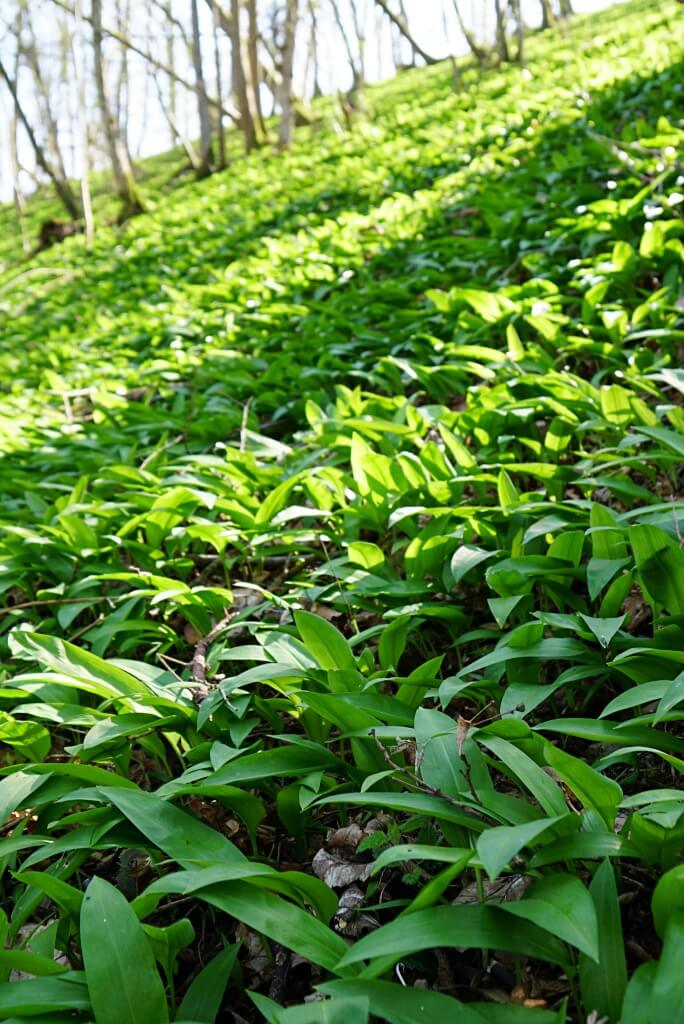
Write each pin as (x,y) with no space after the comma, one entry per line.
(342,567)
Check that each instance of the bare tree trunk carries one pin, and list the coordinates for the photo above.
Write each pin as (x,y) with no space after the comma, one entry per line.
(122,84)
(172,116)
(27,46)
(360,32)
(150,59)
(501,41)
(122,171)
(456,77)
(61,185)
(287,68)
(17,191)
(78,46)
(548,17)
(565,8)
(355,69)
(219,88)
(202,106)
(313,50)
(254,75)
(520,30)
(477,51)
(400,24)
(239,77)
(176,133)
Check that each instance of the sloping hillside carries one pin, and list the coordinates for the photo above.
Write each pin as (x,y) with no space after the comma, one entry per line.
(342,569)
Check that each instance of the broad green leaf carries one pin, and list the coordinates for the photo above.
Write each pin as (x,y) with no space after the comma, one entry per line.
(86,670)
(452,927)
(592,789)
(27,999)
(413,803)
(438,759)
(202,1001)
(603,982)
(399,1004)
(418,851)
(123,982)
(668,897)
(667,995)
(497,846)
(178,834)
(561,904)
(603,629)
(324,642)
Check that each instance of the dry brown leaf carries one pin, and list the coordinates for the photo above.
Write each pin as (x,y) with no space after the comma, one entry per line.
(336,871)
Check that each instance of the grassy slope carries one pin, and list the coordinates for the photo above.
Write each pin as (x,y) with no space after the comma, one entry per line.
(276,382)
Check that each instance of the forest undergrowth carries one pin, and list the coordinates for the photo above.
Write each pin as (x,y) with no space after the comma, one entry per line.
(342,569)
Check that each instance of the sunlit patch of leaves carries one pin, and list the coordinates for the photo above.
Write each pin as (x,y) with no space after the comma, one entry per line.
(342,571)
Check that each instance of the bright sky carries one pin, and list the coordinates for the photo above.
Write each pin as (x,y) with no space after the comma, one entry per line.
(150,134)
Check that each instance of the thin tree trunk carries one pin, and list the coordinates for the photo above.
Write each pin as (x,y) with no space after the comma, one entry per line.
(172,116)
(456,78)
(477,51)
(122,170)
(239,78)
(78,46)
(219,88)
(548,17)
(29,49)
(123,94)
(520,30)
(501,41)
(17,191)
(401,25)
(313,48)
(359,30)
(61,185)
(202,106)
(176,133)
(565,8)
(149,59)
(286,106)
(254,75)
(355,69)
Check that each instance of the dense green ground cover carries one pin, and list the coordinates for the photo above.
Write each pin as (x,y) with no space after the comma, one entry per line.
(341,557)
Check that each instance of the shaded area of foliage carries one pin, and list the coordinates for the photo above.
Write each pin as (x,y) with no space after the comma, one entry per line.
(342,570)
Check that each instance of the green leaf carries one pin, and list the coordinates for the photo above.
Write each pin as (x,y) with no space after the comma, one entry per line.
(465,558)
(412,803)
(327,646)
(561,904)
(44,995)
(603,983)
(279,920)
(509,498)
(178,834)
(594,790)
(673,696)
(496,847)
(668,897)
(123,982)
(667,995)
(603,629)
(452,927)
(341,1010)
(203,999)
(438,759)
(76,667)
(399,1004)
(30,963)
(417,851)
(637,1002)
